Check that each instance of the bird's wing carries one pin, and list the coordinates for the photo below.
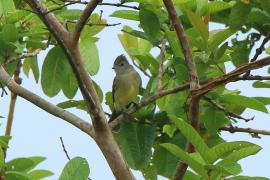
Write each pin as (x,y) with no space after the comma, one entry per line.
(113,89)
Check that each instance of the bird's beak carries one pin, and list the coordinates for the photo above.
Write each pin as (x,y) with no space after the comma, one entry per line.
(113,67)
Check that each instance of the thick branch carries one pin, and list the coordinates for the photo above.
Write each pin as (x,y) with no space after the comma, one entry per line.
(91,6)
(193,110)
(194,82)
(232,75)
(43,104)
(102,133)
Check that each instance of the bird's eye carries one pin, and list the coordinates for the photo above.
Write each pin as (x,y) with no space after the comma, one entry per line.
(121,64)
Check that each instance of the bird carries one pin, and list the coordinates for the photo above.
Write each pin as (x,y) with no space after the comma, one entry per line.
(126,85)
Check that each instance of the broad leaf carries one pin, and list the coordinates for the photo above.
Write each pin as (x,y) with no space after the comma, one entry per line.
(261,84)
(77,168)
(198,24)
(135,141)
(222,149)
(126,14)
(39,174)
(182,155)
(192,136)
(89,53)
(150,24)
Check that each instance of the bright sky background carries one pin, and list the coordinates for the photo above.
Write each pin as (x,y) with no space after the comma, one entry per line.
(36,133)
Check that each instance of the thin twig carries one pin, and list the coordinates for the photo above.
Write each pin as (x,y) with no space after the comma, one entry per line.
(259,50)
(97,24)
(252,77)
(143,71)
(22,56)
(161,61)
(119,5)
(64,148)
(60,7)
(232,75)
(4,92)
(65,151)
(221,108)
(253,132)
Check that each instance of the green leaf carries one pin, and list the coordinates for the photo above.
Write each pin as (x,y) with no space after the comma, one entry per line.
(169,130)
(264,100)
(164,161)
(126,14)
(19,164)
(149,173)
(135,141)
(56,74)
(258,16)
(128,41)
(192,136)
(217,37)
(227,169)
(182,155)
(39,174)
(53,71)
(198,24)
(217,6)
(9,33)
(150,24)
(213,120)
(174,44)
(77,168)
(24,164)
(4,141)
(14,175)
(189,175)
(240,52)
(241,153)
(6,7)
(224,148)
(239,15)
(243,101)
(71,14)
(31,63)
(73,103)
(89,53)
(261,84)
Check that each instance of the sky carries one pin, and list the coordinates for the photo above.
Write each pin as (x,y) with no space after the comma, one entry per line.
(36,133)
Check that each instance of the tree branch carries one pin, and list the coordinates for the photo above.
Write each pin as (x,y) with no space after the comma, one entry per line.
(43,104)
(193,111)
(221,108)
(259,50)
(232,75)
(253,132)
(69,43)
(90,7)
(13,97)
(119,5)
(22,56)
